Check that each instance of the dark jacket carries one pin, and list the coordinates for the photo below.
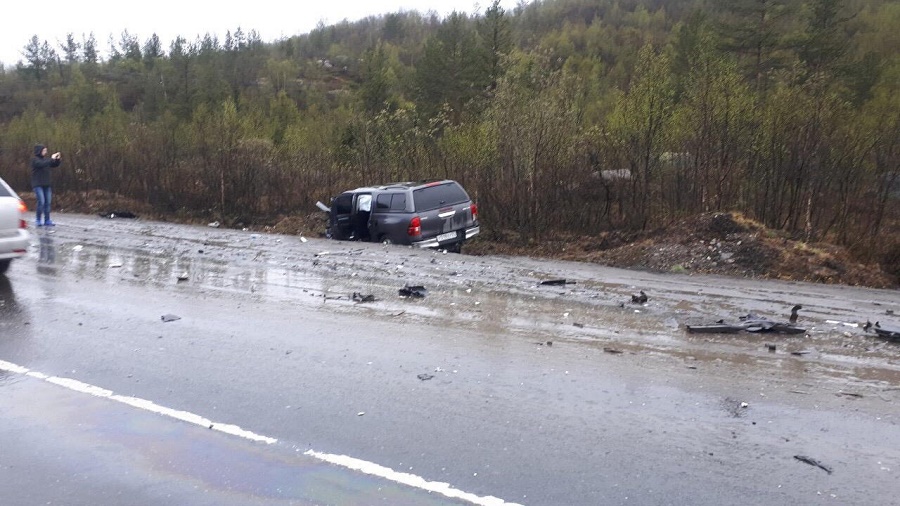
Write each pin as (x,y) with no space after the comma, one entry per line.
(40,167)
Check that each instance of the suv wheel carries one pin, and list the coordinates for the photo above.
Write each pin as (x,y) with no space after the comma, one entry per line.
(385,240)
(4,264)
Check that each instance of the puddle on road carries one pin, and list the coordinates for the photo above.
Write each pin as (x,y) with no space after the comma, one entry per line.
(13,315)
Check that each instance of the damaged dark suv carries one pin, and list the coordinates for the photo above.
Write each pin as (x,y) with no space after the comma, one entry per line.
(428,214)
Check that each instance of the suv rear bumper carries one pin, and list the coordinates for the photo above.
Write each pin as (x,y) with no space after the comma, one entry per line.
(434,243)
(15,246)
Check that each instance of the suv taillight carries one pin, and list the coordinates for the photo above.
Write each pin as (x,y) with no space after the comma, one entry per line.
(474,212)
(22,210)
(415,227)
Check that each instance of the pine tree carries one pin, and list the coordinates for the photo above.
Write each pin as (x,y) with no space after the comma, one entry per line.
(70,49)
(755,30)
(824,40)
(496,40)
(375,88)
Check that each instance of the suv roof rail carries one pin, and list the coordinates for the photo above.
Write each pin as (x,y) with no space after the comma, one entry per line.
(408,184)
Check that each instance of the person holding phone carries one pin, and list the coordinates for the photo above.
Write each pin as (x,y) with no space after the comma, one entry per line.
(41,183)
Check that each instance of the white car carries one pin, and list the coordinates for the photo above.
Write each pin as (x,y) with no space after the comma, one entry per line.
(14,235)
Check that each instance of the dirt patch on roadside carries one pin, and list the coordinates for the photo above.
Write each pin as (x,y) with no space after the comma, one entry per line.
(712,243)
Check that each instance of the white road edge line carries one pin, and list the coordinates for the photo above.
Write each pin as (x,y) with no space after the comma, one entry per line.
(344,461)
(407,479)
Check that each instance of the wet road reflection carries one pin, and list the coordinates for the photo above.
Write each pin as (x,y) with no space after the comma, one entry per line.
(46,254)
(580,312)
(7,297)
(13,316)
(10,311)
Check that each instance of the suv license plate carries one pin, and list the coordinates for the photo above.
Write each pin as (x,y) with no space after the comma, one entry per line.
(446,237)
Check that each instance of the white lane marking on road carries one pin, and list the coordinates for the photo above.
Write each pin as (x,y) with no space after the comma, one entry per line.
(351,463)
(406,479)
(78,386)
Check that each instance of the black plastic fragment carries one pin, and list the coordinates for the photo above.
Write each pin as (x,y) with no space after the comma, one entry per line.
(417,291)
(557,282)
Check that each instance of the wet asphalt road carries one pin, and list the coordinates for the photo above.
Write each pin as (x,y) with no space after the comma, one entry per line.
(623,407)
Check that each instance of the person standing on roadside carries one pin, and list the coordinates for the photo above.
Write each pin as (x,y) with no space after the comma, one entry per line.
(40,182)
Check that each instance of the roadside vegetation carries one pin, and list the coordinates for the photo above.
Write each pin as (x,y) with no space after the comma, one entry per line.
(565,119)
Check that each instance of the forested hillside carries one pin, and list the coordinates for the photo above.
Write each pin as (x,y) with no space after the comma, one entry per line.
(561,116)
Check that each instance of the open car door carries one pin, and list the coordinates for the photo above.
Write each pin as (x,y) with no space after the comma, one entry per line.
(341,216)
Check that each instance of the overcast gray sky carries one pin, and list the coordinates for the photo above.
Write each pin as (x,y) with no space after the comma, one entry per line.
(51,20)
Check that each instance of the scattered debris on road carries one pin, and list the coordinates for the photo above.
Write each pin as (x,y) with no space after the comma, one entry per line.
(749,323)
(813,462)
(890,333)
(734,407)
(416,291)
(845,324)
(557,282)
(613,351)
(641,298)
(118,214)
(358,297)
(794,315)
(169,317)
(425,376)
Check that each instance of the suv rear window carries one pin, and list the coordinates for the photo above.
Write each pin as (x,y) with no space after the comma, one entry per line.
(391,201)
(433,197)
(4,192)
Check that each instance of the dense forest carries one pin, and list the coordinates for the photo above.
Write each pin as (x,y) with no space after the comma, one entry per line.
(559,116)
